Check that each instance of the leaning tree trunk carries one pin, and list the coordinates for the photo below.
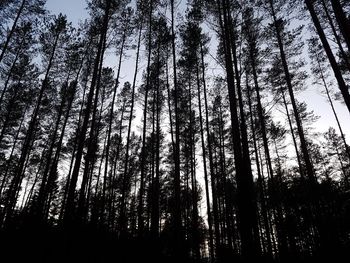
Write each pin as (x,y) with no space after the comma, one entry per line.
(336,36)
(13,28)
(337,73)
(343,21)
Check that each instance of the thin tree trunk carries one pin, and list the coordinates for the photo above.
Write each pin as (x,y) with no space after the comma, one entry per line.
(17,180)
(156,152)
(303,144)
(42,195)
(195,223)
(13,28)
(301,170)
(143,149)
(9,109)
(75,144)
(177,182)
(343,22)
(70,206)
(206,181)
(90,156)
(109,129)
(10,73)
(336,36)
(126,161)
(347,148)
(337,73)
(261,182)
(246,209)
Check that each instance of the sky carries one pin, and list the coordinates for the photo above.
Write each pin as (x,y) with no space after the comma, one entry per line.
(76,11)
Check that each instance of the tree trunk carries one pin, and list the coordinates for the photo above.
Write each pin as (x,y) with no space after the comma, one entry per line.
(75,145)
(337,73)
(177,182)
(10,73)
(306,156)
(301,170)
(336,36)
(70,206)
(206,181)
(261,182)
(4,177)
(143,149)
(156,152)
(42,195)
(347,148)
(246,209)
(17,180)
(109,129)
(14,25)
(343,21)
(92,145)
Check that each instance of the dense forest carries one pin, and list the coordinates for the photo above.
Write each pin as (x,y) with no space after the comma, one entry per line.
(175,131)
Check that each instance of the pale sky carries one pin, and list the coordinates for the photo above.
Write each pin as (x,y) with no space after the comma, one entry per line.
(74,9)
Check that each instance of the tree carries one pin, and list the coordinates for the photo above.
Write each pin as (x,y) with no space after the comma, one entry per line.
(342,86)
(101,35)
(26,8)
(55,31)
(246,207)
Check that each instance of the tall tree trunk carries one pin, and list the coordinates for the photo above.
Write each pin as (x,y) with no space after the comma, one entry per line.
(15,140)
(169,106)
(177,182)
(246,209)
(70,204)
(343,21)
(336,36)
(75,145)
(92,145)
(17,180)
(13,28)
(109,129)
(347,148)
(9,109)
(126,162)
(274,182)
(143,149)
(337,73)
(39,207)
(9,75)
(261,182)
(193,207)
(206,181)
(300,166)
(156,152)
(303,144)
(113,178)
